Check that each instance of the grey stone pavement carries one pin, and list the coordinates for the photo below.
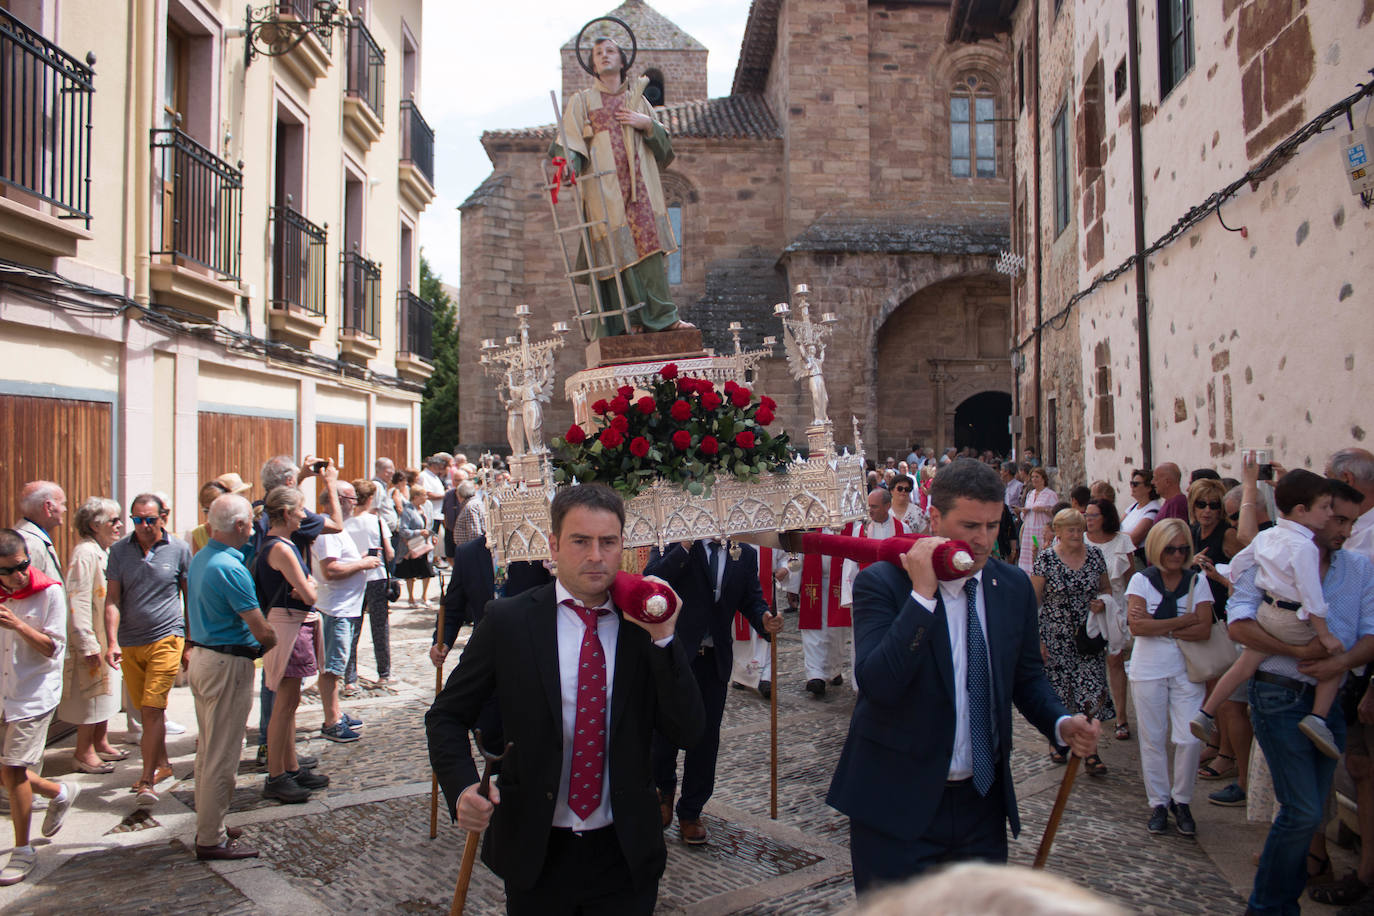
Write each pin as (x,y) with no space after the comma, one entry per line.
(362,845)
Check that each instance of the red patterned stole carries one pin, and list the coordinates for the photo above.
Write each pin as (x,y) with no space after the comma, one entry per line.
(743,631)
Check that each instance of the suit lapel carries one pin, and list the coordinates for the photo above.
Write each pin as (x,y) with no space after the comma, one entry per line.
(544,644)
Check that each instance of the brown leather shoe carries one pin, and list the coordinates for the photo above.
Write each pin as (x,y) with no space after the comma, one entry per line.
(232,849)
(692,830)
(665,808)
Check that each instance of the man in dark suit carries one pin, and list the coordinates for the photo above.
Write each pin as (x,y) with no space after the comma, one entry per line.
(713,587)
(581,689)
(470,588)
(925,775)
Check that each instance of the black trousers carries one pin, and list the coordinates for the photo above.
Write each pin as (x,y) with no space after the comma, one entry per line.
(699,765)
(583,875)
(966,827)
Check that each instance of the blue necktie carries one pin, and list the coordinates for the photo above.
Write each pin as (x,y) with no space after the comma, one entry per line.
(979,693)
(715,568)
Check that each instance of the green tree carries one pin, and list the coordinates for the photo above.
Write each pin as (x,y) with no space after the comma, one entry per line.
(439,410)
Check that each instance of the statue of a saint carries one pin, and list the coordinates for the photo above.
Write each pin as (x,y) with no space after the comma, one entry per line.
(813,356)
(524,415)
(610,128)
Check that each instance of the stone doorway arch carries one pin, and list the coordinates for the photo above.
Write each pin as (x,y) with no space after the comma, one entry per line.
(982,422)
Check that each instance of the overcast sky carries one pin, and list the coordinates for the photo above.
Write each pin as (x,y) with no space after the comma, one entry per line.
(490,64)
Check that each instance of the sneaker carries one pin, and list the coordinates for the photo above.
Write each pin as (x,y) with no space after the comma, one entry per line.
(307,761)
(147,795)
(1183,819)
(58,808)
(1204,728)
(18,867)
(309,779)
(1159,819)
(1233,796)
(340,732)
(1319,734)
(175,728)
(285,789)
(351,722)
(261,758)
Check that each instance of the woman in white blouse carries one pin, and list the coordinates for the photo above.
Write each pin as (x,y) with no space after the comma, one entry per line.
(1165,603)
(1104,532)
(1144,508)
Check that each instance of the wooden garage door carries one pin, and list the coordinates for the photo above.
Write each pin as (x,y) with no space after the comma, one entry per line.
(393,444)
(66,441)
(231,442)
(347,445)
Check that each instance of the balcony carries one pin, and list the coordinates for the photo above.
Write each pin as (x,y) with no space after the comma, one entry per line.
(309,60)
(363,86)
(415,340)
(417,157)
(45,144)
(197,239)
(296,311)
(360,318)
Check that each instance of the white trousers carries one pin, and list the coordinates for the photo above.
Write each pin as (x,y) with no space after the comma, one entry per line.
(752,661)
(824,652)
(1163,709)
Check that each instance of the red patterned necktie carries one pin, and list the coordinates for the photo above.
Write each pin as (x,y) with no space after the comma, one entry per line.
(589,726)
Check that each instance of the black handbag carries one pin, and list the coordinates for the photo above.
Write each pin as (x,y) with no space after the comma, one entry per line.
(393,585)
(1085,645)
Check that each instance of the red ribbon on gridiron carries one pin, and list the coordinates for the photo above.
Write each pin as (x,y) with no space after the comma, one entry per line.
(560,165)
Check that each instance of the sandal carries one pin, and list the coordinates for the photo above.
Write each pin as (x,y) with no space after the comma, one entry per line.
(1209,753)
(1207,771)
(1323,875)
(1094,766)
(1342,892)
(1123,732)
(1056,757)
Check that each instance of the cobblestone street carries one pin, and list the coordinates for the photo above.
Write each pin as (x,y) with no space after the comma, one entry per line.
(362,845)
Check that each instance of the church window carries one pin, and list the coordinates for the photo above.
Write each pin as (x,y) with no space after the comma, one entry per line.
(654,91)
(675,259)
(972,129)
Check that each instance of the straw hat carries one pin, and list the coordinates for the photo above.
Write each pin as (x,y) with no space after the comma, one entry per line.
(233,483)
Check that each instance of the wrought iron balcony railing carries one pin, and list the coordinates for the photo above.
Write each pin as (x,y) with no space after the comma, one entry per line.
(201,205)
(417,140)
(308,11)
(417,325)
(45,119)
(298,261)
(362,291)
(366,67)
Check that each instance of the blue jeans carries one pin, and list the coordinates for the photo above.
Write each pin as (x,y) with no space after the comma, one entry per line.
(1302,778)
(338,643)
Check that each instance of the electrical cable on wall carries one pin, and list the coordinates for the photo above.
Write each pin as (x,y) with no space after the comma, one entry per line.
(1270,164)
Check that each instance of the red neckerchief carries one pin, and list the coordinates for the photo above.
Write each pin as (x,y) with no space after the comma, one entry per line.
(37,582)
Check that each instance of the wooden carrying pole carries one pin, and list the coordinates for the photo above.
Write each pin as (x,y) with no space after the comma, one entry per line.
(1065,788)
(438,686)
(773,728)
(474,838)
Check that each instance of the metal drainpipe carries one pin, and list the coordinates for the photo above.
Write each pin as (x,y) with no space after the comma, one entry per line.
(141,180)
(1015,309)
(1142,299)
(1035,167)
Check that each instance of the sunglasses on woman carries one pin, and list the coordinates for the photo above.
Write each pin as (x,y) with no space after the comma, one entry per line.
(11,570)
(1213,504)
(1180,550)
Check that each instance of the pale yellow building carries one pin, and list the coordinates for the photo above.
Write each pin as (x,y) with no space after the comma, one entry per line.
(208,255)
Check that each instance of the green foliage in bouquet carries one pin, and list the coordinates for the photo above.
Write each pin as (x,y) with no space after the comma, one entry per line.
(686,432)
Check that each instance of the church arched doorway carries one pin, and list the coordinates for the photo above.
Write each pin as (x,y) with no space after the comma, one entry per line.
(982,422)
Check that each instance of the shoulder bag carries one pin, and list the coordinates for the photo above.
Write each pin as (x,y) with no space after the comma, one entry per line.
(1207,659)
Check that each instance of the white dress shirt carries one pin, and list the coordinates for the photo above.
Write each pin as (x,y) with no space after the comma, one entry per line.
(1287,565)
(956,620)
(31,683)
(570,631)
(1361,538)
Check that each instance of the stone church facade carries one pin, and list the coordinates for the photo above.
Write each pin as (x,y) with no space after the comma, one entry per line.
(858,153)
